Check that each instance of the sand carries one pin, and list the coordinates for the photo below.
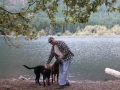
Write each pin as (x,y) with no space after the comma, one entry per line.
(24,84)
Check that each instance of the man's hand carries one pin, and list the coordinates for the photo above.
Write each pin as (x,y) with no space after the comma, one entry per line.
(60,57)
(46,66)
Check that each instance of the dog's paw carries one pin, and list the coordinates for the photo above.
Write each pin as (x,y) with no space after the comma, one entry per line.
(39,84)
(48,83)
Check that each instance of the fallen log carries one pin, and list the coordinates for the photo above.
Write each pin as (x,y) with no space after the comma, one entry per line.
(112,72)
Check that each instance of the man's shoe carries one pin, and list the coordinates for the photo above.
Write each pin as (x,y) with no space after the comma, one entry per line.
(60,87)
(67,84)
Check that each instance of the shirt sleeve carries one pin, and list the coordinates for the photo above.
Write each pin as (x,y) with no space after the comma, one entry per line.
(52,54)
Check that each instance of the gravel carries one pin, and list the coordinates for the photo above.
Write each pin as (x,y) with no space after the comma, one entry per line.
(24,84)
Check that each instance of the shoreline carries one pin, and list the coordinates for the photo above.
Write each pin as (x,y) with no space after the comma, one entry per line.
(26,84)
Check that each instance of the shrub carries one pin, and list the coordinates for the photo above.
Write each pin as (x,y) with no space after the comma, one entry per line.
(42,33)
(67,33)
(116,30)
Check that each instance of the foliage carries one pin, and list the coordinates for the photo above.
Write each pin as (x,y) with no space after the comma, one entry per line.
(75,11)
(98,30)
(59,34)
(95,30)
(116,29)
(67,33)
(42,33)
(102,17)
(17,20)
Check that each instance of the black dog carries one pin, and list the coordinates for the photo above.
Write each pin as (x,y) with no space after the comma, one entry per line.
(40,70)
(55,71)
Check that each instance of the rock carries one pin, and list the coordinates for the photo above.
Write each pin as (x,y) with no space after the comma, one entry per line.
(22,78)
(6,87)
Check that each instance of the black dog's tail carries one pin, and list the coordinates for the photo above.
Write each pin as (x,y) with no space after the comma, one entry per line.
(29,67)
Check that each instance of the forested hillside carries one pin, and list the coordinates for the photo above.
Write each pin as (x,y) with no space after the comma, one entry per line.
(41,22)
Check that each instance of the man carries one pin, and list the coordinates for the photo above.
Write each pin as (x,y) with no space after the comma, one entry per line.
(62,53)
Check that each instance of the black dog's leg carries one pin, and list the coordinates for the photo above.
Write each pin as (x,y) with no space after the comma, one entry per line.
(48,77)
(37,79)
(52,77)
(48,80)
(44,77)
(57,77)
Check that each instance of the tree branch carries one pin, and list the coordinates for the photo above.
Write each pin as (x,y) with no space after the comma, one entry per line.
(31,4)
(7,39)
(14,13)
(10,21)
(7,11)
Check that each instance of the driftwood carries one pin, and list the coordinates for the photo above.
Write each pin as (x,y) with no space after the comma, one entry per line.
(112,72)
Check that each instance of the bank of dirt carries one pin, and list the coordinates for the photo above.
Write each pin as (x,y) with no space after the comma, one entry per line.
(18,84)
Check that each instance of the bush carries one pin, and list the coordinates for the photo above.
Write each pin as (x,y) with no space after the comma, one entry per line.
(59,34)
(42,33)
(67,33)
(116,30)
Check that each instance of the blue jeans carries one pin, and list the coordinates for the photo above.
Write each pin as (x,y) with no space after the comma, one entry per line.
(64,68)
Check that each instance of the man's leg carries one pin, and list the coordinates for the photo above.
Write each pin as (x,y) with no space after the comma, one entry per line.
(64,68)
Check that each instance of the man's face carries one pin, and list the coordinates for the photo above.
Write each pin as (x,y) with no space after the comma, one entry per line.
(52,42)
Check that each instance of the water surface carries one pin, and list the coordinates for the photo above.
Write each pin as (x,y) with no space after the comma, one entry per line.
(92,56)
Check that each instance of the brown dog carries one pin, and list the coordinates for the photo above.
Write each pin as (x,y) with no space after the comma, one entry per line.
(55,71)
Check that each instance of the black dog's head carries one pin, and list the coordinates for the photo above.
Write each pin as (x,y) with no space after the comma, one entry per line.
(46,72)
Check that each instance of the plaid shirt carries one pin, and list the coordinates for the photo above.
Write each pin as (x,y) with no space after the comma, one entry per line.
(64,49)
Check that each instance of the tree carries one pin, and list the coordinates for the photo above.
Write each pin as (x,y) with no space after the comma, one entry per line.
(16,21)
(74,11)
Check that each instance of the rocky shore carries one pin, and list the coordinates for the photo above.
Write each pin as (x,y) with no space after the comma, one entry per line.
(24,84)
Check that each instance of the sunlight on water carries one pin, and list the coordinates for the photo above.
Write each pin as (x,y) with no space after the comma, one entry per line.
(92,56)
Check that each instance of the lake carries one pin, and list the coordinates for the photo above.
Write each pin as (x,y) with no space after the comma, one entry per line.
(92,56)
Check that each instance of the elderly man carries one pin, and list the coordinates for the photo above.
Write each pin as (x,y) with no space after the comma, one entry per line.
(62,53)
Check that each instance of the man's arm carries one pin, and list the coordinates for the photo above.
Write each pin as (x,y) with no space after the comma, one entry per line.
(50,57)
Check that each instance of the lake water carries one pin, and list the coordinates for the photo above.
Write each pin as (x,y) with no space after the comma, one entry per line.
(92,56)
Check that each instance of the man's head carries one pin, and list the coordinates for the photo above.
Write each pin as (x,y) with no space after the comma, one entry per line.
(51,40)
